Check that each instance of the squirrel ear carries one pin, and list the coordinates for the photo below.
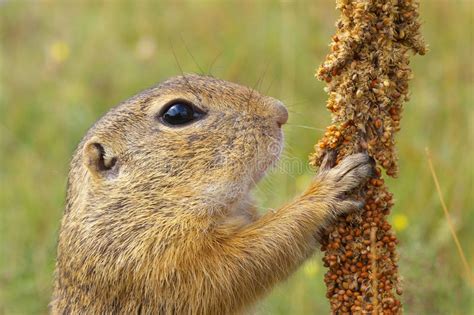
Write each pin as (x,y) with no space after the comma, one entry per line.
(98,159)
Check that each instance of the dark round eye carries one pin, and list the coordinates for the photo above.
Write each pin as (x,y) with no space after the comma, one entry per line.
(180,113)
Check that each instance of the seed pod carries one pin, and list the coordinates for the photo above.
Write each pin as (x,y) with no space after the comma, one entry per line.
(368,70)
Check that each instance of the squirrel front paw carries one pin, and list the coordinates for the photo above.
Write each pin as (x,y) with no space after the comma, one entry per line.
(335,183)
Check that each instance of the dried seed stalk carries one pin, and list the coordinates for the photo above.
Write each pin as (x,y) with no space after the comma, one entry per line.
(367,74)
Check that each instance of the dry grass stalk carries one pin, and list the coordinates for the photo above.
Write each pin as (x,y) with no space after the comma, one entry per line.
(449,221)
(367,74)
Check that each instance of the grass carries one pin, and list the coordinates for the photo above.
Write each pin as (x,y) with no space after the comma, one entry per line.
(64,63)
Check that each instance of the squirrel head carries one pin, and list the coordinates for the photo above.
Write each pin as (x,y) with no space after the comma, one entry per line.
(191,147)
(193,143)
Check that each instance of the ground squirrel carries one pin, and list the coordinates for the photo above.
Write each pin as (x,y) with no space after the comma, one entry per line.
(158,217)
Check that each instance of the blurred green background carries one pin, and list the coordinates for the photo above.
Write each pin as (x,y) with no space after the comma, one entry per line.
(65,63)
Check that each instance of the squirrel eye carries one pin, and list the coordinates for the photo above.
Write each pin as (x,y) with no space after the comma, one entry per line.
(180,113)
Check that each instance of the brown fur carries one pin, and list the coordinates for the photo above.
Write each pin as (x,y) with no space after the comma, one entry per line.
(159,220)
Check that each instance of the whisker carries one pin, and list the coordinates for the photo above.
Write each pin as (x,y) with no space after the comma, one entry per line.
(256,86)
(182,73)
(288,148)
(292,103)
(260,80)
(305,127)
(209,71)
(269,86)
(192,56)
(280,169)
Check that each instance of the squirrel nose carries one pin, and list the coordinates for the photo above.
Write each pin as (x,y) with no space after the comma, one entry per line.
(281,113)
